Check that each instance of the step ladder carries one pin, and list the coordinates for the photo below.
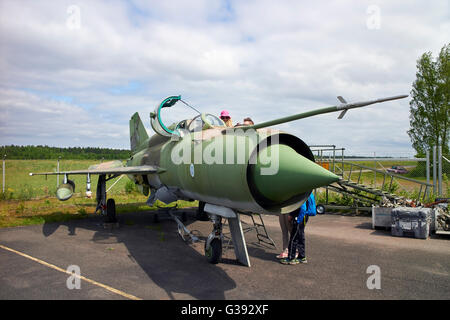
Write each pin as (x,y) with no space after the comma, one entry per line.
(258,226)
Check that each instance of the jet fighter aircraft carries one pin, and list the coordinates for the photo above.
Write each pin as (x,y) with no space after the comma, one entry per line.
(244,169)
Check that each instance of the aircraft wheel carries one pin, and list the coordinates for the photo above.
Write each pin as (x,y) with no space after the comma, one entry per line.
(214,253)
(111,211)
(320,209)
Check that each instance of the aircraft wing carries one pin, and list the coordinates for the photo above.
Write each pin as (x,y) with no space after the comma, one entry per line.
(113,167)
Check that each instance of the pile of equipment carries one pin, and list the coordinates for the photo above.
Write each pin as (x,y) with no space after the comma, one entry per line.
(418,222)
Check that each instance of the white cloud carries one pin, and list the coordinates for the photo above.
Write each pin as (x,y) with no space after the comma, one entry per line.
(262,59)
(26,117)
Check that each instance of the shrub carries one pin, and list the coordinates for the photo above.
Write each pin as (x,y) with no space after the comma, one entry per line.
(393,187)
(419,171)
(130,187)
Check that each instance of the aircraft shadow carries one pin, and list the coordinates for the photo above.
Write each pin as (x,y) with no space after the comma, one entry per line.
(156,247)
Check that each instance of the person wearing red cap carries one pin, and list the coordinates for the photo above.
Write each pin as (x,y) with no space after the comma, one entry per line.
(225,116)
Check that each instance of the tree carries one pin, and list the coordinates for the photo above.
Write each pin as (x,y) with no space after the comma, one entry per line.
(429,107)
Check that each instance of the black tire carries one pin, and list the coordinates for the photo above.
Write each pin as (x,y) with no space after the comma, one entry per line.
(111,211)
(214,254)
(320,209)
(155,218)
(183,217)
(201,214)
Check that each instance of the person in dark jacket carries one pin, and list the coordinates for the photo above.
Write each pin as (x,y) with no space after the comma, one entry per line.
(297,239)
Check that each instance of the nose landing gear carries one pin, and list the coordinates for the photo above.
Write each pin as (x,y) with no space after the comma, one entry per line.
(213,244)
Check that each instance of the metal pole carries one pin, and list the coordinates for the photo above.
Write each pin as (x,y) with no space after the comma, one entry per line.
(428,170)
(334,157)
(375,173)
(434,171)
(4,158)
(57,170)
(440,171)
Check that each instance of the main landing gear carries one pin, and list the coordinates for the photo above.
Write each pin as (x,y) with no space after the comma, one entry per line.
(107,208)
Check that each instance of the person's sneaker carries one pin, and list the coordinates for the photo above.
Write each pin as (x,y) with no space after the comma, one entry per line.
(303,260)
(287,261)
(283,255)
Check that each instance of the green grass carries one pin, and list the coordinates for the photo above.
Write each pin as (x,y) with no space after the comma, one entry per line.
(19,185)
(31,200)
(38,211)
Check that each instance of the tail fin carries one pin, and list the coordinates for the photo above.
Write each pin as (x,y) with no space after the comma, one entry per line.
(138,134)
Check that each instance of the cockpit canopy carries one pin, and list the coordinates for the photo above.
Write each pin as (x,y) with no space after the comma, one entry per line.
(201,122)
(205,121)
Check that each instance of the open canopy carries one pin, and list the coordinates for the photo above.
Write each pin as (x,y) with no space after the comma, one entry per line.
(201,122)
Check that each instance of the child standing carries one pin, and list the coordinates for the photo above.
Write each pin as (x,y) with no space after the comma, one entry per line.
(297,239)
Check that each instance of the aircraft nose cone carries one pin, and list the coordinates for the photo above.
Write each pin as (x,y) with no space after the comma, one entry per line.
(295,175)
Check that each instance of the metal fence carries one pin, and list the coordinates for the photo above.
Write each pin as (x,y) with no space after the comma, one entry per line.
(434,169)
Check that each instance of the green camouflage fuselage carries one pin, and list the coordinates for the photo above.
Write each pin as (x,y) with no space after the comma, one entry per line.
(220,170)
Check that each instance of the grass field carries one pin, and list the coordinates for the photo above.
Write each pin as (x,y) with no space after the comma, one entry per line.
(31,200)
(19,185)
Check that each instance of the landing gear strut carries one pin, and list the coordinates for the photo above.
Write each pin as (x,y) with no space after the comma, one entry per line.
(107,208)
(213,245)
(201,214)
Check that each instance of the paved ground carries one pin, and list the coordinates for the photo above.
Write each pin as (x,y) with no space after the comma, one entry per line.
(148,260)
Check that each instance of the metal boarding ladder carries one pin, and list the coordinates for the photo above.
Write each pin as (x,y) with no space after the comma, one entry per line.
(260,228)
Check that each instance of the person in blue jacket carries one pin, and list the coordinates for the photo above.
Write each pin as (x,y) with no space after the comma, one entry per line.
(297,239)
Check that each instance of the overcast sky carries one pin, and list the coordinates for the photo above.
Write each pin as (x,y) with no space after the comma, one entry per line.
(73,72)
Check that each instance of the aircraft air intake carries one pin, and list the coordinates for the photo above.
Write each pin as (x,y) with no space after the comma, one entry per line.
(296,176)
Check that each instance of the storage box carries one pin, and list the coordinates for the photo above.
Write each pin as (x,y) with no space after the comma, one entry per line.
(381,217)
(411,222)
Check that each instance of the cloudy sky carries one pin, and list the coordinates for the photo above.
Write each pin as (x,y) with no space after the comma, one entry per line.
(73,72)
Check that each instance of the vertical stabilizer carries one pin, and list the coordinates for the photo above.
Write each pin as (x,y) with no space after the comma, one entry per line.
(138,134)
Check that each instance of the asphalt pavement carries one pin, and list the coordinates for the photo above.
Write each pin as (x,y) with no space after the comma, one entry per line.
(144,259)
